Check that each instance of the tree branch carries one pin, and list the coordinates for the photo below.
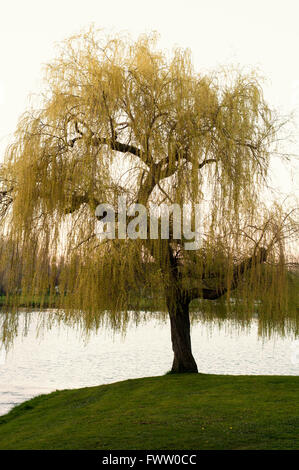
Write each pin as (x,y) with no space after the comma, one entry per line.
(205,162)
(238,272)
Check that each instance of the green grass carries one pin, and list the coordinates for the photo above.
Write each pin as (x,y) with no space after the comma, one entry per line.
(170,412)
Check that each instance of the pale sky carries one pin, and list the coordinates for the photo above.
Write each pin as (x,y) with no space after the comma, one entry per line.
(256,33)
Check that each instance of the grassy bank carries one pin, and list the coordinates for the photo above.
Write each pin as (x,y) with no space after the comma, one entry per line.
(168,412)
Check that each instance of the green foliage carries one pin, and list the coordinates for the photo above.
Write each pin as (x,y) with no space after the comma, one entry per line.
(120,118)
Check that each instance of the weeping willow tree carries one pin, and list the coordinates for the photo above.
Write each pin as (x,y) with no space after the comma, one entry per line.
(122,119)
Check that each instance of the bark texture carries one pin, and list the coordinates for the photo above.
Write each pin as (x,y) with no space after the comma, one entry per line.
(183,360)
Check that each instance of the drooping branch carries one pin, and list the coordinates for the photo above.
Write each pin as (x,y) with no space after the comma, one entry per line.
(206,162)
(238,272)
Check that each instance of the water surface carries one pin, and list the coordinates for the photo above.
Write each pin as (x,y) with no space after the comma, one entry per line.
(60,358)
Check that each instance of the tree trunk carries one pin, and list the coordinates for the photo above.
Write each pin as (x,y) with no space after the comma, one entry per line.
(180,336)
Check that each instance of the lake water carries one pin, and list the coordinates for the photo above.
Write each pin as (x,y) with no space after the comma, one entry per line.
(61,359)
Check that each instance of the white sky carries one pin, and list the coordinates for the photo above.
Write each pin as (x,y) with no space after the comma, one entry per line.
(261,33)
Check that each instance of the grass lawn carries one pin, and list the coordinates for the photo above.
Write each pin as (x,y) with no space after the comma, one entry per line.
(190,411)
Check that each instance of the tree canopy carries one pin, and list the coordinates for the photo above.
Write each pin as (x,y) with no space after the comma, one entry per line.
(122,118)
